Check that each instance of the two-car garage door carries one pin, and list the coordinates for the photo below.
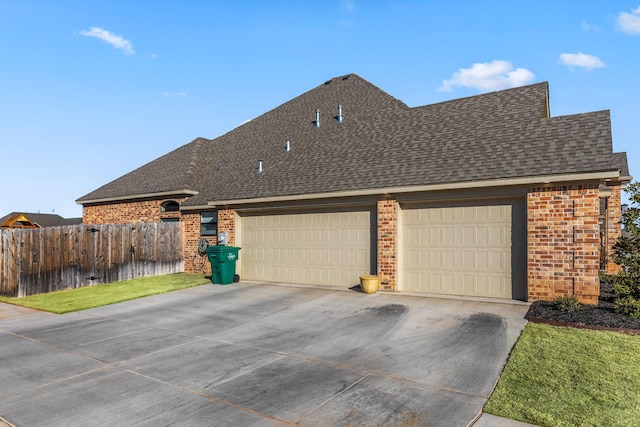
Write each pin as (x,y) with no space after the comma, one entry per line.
(330,248)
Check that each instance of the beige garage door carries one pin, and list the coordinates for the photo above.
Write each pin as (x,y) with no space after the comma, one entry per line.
(324,248)
(475,249)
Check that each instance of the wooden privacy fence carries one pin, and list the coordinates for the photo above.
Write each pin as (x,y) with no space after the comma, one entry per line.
(41,260)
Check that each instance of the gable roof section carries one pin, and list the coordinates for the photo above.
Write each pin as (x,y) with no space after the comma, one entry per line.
(381,143)
(171,174)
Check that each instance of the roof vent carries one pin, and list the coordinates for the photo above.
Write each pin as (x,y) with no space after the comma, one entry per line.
(287,145)
(259,166)
(316,123)
(339,116)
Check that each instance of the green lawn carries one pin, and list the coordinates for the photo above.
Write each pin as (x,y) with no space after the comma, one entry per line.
(99,295)
(570,377)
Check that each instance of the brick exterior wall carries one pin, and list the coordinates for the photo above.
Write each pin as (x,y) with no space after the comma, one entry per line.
(614,227)
(194,262)
(563,243)
(128,212)
(227,222)
(388,232)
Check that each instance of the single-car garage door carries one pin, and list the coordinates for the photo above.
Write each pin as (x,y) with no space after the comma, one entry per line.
(466,248)
(324,248)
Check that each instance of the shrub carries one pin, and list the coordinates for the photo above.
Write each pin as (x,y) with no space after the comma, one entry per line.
(569,304)
(626,284)
(629,305)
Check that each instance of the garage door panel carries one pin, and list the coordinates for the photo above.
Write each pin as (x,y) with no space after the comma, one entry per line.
(328,248)
(461,249)
(468,236)
(496,235)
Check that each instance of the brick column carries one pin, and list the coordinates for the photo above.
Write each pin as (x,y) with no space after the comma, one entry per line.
(387,215)
(227,222)
(563,243)
(614,227)
(193,261)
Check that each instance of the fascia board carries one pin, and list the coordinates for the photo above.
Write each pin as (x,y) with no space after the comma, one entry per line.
(537,180)
(137,196)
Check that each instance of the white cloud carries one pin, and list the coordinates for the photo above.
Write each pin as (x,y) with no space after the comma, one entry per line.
(588,27)
(583,60)
(114,40)
(488,76)
(629,22)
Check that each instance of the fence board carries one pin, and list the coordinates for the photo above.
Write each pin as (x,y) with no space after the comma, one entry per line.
(44,260)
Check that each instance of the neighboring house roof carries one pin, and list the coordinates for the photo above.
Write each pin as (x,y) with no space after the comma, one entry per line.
(380,143)
(37,219)
(71,221)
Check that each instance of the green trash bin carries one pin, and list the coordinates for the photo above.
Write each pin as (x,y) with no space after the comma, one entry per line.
(223,263)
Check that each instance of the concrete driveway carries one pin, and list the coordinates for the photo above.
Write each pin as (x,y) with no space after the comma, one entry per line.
(257,354)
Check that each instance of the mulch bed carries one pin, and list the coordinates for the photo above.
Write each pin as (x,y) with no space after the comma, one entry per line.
(600,317)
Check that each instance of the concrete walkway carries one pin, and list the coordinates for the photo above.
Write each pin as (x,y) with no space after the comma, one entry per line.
(257,354)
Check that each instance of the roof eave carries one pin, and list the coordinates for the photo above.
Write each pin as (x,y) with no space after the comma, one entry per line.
(137,197)
(544,180)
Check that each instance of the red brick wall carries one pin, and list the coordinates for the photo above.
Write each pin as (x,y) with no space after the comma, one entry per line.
(128,212)
(388,231)
(614,227)
(227,222)
(194,262)
(563,242)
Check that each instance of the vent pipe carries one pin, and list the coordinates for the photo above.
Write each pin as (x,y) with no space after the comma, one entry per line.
(317,122)
(339,117)
(259,166)
(287,145)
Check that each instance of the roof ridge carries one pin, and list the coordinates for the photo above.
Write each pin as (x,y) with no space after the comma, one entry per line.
(190,172)
(485,94)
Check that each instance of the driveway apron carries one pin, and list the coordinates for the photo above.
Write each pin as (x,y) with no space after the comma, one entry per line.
(256,354)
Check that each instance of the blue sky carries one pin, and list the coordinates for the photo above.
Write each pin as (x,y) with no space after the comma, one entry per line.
(90,90)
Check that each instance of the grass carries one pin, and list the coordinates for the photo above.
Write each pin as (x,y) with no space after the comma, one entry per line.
(96,296)
(570,377)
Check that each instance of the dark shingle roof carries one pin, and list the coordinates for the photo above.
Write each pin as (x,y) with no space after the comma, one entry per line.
(381,143)
(171,172)
(620,159)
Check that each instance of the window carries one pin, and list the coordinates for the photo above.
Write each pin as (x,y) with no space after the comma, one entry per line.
(169,219)
(209,223)
(170,206)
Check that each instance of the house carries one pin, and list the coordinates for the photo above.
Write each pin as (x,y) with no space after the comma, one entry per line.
(483,196)
(35,220)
